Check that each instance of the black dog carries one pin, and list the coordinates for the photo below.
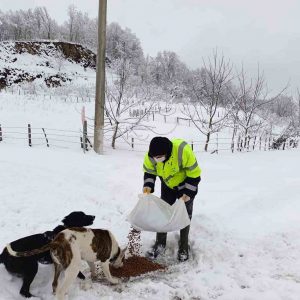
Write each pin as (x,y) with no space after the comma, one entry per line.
(27,267)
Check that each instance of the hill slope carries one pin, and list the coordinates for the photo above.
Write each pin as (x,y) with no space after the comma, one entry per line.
(50,63)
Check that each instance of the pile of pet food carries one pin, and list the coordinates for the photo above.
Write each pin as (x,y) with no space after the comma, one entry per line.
(135,265)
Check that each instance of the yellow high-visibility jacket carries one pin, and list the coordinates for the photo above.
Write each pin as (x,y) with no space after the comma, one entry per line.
(180,171)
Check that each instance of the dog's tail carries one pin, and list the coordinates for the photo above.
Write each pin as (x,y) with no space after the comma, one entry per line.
(30,252)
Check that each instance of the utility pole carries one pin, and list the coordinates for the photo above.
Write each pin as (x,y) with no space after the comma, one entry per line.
(298,93)
(100,79)
(298,110)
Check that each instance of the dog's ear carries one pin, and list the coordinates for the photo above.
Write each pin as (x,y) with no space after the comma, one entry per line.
(71,217)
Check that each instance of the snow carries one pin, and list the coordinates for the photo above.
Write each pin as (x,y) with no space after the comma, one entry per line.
(245,229)
(244,234)
(47,63)
(41,111)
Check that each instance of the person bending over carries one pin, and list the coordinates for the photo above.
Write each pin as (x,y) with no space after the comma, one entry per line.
(176,165)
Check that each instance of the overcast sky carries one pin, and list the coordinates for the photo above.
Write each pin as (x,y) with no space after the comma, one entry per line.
(247,31)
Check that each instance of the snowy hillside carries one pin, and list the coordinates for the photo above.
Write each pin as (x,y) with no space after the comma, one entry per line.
(244,235)
(44,63)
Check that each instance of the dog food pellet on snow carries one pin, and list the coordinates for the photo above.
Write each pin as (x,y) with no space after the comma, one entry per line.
(135,265)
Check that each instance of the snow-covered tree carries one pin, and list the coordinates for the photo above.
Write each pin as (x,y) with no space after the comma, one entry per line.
(123,44)
(48,24)
(27,25)
(252,96)
(125,92)
(207,90)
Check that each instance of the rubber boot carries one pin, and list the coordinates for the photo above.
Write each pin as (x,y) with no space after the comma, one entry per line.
(183,251)
(159,246)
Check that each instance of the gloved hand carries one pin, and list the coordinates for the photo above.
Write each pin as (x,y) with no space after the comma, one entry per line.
(185,198)
(146,190)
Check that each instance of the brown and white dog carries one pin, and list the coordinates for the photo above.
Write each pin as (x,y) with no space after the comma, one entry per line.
(71,246)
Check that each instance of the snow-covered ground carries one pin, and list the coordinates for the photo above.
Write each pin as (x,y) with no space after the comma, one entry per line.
(17,111)
(245,229)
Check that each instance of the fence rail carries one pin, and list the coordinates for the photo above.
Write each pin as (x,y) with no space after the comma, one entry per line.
(38,95)
(60,138)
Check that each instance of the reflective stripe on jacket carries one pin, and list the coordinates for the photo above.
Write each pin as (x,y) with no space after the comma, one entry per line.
(181,164)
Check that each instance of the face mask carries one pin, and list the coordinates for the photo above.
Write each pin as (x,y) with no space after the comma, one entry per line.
(160,159)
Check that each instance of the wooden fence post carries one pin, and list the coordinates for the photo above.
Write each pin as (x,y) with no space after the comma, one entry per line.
(84,138)
(132,143)
(260,143)
(1,139)
(254,142)
(29,135)
(192,145)
(46,137)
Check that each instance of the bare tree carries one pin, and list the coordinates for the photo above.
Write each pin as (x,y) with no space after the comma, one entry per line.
(72,13)
(233,116)
(284,106)
(47,22)
(207,89)
(123,94)
(252,95)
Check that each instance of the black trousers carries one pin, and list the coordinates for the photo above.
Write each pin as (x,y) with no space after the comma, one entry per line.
(170,196)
